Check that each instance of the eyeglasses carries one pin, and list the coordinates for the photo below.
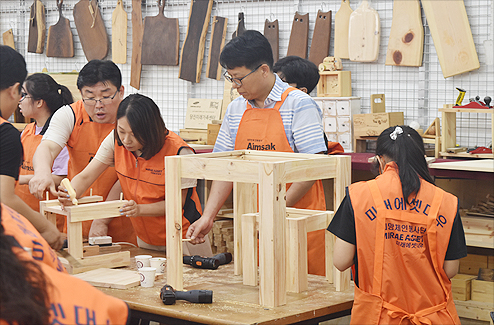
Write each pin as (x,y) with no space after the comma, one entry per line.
(238,81)
(24,96)
(103,101)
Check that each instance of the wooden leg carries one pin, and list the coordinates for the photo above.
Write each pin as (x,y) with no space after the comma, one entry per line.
(329,245)
(272,209)
(249,249)
(244,201)
(173,202)
(74,238)
(296,255)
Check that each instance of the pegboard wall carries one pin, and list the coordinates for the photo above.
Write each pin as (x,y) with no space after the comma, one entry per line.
(418,92)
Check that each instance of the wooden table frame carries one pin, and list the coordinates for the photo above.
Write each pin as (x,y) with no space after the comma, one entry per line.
(271,170)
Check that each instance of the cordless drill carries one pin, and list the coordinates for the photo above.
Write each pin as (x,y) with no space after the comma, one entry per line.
(210,263)
(169,295)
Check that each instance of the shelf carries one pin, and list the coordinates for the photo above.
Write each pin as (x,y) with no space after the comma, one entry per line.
(467,110)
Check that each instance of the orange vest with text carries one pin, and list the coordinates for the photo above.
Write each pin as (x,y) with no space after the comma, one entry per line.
(264,128)
(82,146)
(74,301)
(400,251)
(26,235)
(144,182)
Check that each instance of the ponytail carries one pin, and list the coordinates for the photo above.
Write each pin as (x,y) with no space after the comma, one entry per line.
(405,147)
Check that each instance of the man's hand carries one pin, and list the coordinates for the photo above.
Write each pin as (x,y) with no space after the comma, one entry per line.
(130,209)
(38,185)
(199,229)
(51,234)
(99,227)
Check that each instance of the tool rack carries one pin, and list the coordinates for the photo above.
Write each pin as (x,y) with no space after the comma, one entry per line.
(89,208)
(246,169)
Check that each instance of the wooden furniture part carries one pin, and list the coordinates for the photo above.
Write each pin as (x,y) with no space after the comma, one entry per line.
(433,135)
(448,132)
(218,34)
(338,115)
(271,170)
(89,208)
(298,223)
(233,302)
(335,84)
(461,286)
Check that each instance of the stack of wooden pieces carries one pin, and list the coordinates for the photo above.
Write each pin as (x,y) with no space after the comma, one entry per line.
(222,236)
(478,224)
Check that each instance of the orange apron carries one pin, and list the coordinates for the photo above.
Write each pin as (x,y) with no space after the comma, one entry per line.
(262,129)
(144,182)
(82,146)
(27,236)
(411,239)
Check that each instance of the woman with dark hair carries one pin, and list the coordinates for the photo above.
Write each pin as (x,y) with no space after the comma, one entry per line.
(41,97)
(137,148)
(35,293)
(402,236)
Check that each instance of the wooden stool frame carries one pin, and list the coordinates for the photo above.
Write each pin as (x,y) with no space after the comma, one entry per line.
(271,170)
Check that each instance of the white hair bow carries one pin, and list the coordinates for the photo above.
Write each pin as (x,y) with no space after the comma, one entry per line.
(398,130)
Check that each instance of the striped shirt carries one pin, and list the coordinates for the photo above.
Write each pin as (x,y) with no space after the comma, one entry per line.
(301,116)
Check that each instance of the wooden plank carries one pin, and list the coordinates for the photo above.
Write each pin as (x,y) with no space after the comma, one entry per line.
(110,260)
(482,165)
(299,36)
(119,34)
(137,32)
(74,238)
(110,278)
(406,39)
(321,37)
(94,211)
(461,286)
(60,41)
(218,34)
(249,249)
(192,53)
(272,33)
(296,255)
(474,309)
(364,33)
(272,264)
(37,28)
(244,201)
(452,36)
(173,206)
(341,23)
(91,29)
(483,291)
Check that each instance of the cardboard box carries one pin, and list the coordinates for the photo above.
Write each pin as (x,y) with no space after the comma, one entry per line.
(371,125)
(461,286)
(483,291)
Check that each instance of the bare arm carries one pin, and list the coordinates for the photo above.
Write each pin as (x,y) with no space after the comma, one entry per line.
(297,191)
(99,227)
(43,159)
(45,228)
(343,255)
(451,267)
(218,195)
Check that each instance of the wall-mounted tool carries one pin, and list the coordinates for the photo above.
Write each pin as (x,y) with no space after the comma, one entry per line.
(460,97)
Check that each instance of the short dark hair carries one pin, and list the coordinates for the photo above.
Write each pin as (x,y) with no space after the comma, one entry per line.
(99,71)
(249,50)
(407,150)
(12,67)
(145,120)
(299,71)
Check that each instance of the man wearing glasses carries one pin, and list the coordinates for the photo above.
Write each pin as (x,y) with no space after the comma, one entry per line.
(82,127)
(269,115)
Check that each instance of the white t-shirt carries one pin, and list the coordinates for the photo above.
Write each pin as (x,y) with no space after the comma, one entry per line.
(61,126)
(106,155)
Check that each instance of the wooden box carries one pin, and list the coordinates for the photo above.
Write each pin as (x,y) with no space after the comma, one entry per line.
(371,125)
(483,291)
(213,130)
(471,264)
(334,84)
(461,286)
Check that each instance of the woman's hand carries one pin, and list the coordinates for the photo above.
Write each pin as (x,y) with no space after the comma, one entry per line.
(63,197)
(130,209)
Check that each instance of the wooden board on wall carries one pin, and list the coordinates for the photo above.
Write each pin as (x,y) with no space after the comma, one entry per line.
(192,53)
(218,33)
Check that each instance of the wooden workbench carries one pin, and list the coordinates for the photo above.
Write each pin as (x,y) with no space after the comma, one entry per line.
(233,303)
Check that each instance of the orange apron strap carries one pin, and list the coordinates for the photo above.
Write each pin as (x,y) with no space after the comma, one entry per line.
(418,318)
(379,245)
(283,97)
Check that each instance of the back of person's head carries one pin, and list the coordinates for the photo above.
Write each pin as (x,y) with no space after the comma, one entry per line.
(43,86)
(23,298)
(145,120)
(295,70)
(12,67)
(249,50)
(99,71)
(405,146)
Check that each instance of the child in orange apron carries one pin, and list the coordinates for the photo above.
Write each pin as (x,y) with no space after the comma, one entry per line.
(137,148)
(403,236)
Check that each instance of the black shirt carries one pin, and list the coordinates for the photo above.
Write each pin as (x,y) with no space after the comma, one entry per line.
(343,227)
(10,151)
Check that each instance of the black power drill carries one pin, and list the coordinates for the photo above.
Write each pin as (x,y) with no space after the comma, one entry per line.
(169,295)
(210,263)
